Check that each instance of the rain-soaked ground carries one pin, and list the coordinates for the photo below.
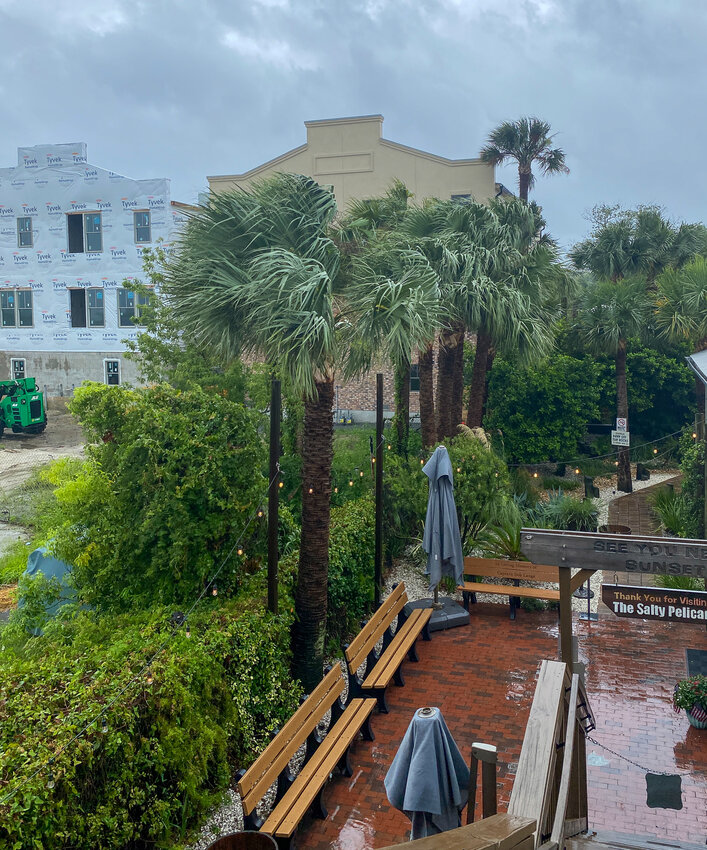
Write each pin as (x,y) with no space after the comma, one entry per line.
(482,678)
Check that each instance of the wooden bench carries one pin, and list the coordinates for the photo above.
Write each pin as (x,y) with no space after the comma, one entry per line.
(517,571)
(381,669)
(296,794)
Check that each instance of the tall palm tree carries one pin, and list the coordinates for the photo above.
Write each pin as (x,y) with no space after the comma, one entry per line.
(527,141)
(611,312)
(681,311)
(257,272)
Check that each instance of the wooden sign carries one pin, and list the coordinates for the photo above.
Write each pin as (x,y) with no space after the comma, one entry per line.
(627,553)
(655,603)
(523,570)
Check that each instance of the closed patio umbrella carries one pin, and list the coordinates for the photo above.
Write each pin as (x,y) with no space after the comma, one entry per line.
(441,539)
(428,779)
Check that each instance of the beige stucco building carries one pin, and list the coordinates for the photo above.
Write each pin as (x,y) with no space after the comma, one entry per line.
(351,156)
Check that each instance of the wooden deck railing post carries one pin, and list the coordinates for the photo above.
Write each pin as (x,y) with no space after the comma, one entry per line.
(487,755)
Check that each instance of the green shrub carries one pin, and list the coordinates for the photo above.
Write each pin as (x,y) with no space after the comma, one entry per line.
(169,746)
(693,486)
(13,562)
(542,411)
(566,512)
(169,481)
(405,492)
(351,567)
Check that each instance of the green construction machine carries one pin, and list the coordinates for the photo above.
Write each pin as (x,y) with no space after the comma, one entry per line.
(22,407)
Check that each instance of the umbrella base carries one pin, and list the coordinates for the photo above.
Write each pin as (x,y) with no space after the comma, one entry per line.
(450,614)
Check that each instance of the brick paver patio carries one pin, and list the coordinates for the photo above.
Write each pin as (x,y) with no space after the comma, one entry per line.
(482,678)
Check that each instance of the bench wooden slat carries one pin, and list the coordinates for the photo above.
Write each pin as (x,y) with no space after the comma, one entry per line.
(523,570)
(373,635)
(284,819)
(511,590)
(381,617)
(267,767)
(384,671)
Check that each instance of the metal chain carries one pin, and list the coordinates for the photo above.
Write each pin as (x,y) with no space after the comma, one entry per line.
(640,766)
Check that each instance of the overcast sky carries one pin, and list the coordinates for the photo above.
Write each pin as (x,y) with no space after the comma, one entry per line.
(186,88)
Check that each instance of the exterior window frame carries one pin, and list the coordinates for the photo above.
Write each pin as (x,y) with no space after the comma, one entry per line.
(14,371)
(106,361)
(414,377)
(136,308)
(137,227)
(21,233)
(87,306)
(84,231)
(16,294)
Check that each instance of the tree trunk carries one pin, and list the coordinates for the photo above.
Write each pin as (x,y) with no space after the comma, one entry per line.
(475,409)
(402,408)
(458,380)
(489,366)
(309,629)
(624,475)
(427,402)
(445,385)
(523,184)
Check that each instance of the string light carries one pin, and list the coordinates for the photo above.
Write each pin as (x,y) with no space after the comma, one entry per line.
(576,472)
(694,435)
(214,591)
(280,484)
(336,489)
(50,780)
(655,451)
(389,447)
(311,490)
(350,482)
(187,632)
(104,725)
(148,678)
(373,460)
(422,460)
(459,469)
(361,474)
(260,513)
(240,551)
(535,475)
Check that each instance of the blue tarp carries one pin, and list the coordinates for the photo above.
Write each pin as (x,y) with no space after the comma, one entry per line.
(40,562)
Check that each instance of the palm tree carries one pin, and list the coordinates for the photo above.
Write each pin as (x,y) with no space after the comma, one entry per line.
(611,312)
(257,272)
(681,311)
(527,141)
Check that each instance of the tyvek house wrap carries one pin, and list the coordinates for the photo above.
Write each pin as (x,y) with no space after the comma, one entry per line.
(49,182)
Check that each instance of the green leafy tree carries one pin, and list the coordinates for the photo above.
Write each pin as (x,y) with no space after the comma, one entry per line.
(169,481)
(528,141)
(542,411)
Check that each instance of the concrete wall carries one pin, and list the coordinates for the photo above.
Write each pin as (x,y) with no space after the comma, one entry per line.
(58,373)
(351,155)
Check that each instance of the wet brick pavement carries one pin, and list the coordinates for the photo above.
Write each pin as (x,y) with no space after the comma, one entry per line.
(482,677)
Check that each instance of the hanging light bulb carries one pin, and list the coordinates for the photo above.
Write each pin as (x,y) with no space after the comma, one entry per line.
(50,780)
(422,460)
(360,474)
(148,678)
(535,475)
(187,631)
(350,482)
(389,447)
(336,489)
(311,490)
(214,591)
(280,484)
(459,469)
(373,460)
(655,451)
(260,513)
(616,463)
(104,725)
(694,435)
(576,472)
(240,551)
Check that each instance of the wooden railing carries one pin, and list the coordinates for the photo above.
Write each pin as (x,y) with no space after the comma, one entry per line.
(550,786)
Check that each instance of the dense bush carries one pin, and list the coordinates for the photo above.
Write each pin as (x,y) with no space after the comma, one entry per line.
(541,411)
(351,567)
(405,492)
(169,744)
(168,484)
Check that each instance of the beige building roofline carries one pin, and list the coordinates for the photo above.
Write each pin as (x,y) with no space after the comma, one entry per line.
(352,119)
(266,166)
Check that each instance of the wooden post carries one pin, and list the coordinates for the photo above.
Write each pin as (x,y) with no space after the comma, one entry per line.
(488,756)
(274,493)
(379,491)
(566,617)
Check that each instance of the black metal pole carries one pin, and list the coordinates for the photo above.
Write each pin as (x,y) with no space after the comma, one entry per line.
(273,493)
(379,490)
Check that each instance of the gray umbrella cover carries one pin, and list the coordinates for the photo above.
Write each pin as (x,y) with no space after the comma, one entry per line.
(442,540)
(428,779)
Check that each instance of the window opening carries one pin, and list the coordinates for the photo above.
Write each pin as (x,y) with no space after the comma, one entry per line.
(112,372)
(16,308)
(414,377)
(18,370)
(85,233)
(141,220)
(130,306)
(24,232)
(87,304)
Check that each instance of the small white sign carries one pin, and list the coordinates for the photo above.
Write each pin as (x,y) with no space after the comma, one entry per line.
(620,424)
(620,438)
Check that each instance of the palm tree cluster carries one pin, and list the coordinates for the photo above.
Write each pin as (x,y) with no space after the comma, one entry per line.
(645,279)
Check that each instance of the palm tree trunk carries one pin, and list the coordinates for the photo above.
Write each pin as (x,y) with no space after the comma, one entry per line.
(445,385)
(489,366)
(475,409)
(402,408)
(427,401)
(309,629)
(458,379)
(624,476)
(523,183)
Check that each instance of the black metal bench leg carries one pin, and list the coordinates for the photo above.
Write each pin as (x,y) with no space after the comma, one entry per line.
(512,601)
(252,822)
(382,703)
(426,631)
(318,807)
(412,653)
(466,599)
(398,677)
(345,764)
(367,731)
(285,843)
